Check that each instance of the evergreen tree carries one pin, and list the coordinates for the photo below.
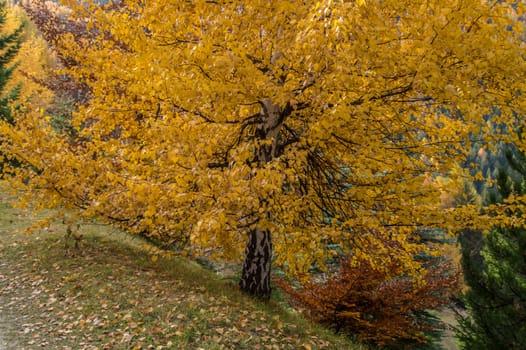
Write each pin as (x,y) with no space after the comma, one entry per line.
(10,43)
(471,241)
(496,300)
(9,46)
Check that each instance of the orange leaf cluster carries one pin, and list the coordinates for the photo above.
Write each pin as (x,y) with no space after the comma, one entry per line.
(366,302)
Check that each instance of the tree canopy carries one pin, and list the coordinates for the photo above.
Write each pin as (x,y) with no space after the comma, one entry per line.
(304,126)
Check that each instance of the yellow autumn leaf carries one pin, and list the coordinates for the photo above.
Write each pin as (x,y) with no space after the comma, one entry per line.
(306,125)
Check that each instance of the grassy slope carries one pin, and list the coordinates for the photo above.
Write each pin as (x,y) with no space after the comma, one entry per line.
(110,295)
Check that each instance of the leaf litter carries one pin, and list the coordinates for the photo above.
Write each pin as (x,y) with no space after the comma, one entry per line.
(108,295)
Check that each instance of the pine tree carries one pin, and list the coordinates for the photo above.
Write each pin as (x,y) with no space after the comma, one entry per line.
(10,43)
(9,46)
(496,300)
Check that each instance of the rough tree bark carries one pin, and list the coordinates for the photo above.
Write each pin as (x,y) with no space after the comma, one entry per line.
(255,277)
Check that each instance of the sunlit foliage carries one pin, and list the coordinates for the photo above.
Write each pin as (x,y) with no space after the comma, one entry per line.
(306,124)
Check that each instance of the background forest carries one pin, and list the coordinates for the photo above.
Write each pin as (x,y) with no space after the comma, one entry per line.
(361,161)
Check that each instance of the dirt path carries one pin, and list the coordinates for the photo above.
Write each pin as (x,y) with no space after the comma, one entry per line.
(4,330)
(449,342)
(3,343)
(7,330)
(8,334)
(4,324)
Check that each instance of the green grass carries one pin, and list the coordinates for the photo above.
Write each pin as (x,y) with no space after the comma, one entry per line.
(109,294)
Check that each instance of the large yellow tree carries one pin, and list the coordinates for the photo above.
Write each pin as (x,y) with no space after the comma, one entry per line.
(291,129)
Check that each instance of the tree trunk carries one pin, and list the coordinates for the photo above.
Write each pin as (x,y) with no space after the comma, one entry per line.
(255,279)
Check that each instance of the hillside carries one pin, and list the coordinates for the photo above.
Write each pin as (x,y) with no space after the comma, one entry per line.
(110,294)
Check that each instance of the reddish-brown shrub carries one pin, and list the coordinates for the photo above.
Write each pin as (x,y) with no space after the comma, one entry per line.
(379,309)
